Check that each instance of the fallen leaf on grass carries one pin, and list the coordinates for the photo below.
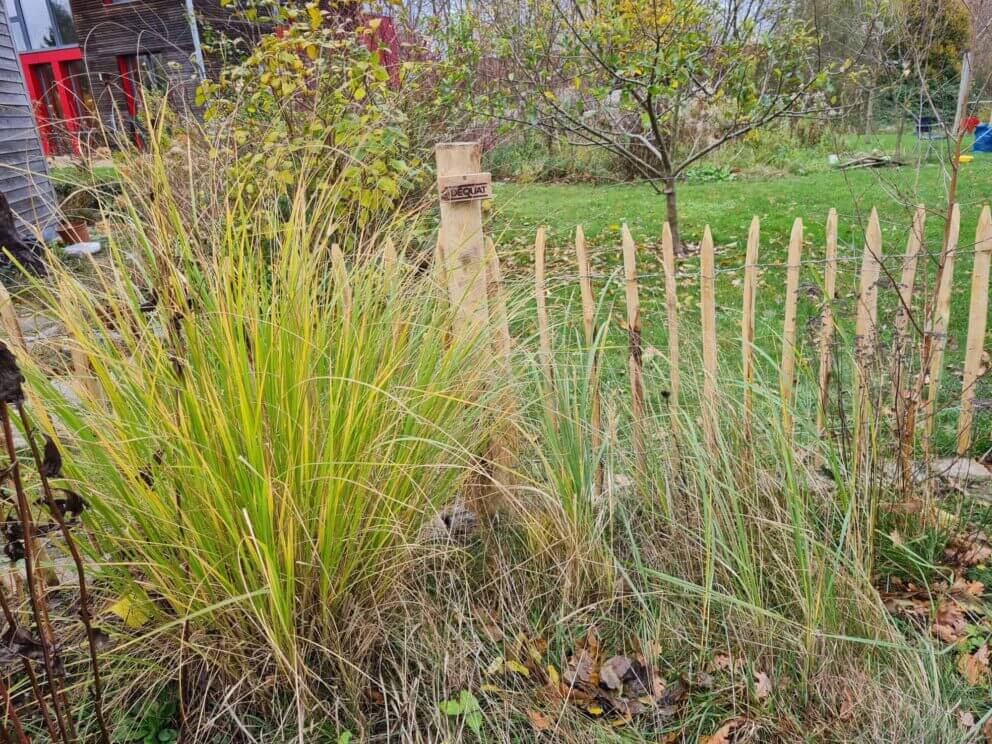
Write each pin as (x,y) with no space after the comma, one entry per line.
(847,707)
(538,720)
(723,661)
(516,666)
(725,734)
(950,623)
(762,686)
(966,719)
(499,664)
(612,671)
(971,549)
(964,587)
(974,667)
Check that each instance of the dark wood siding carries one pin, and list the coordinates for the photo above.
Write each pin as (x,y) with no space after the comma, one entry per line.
(23,171)
(109,31)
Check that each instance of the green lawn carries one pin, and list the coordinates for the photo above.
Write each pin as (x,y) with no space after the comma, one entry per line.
(727,206)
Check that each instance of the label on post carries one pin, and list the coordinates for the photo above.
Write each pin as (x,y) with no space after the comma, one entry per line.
(466,187)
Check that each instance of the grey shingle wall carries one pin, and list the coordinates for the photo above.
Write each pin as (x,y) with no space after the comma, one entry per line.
(23,171)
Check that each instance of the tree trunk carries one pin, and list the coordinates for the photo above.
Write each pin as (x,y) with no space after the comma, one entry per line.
(899,133)
(672,210)
(869,110)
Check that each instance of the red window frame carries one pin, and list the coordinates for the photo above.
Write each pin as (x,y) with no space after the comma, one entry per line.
(59,59)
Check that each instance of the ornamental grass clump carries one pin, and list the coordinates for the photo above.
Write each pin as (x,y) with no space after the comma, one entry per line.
(263,431)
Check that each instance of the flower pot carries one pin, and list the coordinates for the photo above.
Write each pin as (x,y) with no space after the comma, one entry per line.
(74,232)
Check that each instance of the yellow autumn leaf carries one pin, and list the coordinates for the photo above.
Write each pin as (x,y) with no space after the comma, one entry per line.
(553,675)
(516,666)
(131,611)
(596,710)
(312,51)
(316,17)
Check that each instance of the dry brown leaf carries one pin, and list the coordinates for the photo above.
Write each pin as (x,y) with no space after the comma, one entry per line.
(847,707)
(970,549)
(724,661)
(974,667)
(725,734)
(612,672)
(911,506)
(987,731)
(762,686)
(966,719)
(538,720)
(580,669)
(950,623)
(961,585)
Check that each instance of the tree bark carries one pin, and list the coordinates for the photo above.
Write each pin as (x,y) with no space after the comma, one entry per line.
(899,133)
(672,211)
(870,110)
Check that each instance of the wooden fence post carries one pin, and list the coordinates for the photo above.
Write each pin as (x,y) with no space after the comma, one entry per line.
(462,186)
(827,323)
(747,317)
(636,362)
(866,326)
(671,312)
(707,309)
(938,329)
(787,371)
(543,331)
(978,318)
(589,329)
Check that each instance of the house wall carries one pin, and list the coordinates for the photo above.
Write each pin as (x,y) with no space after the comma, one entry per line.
(23,171)
(108,31)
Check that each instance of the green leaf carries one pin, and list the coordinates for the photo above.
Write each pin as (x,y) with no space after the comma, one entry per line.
(451,707)
(474,721)
(469,701)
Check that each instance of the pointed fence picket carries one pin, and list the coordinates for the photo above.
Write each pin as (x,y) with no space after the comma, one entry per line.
(977,319)
(827,324)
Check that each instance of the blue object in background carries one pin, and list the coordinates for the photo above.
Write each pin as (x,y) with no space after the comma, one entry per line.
(983,138)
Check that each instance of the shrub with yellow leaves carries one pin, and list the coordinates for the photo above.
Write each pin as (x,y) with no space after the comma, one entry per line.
(315,91)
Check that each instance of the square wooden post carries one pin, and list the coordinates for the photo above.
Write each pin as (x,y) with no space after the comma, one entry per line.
(462,187)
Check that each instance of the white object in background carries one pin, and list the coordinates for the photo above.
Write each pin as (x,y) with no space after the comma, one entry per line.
(82,249)
(833,159)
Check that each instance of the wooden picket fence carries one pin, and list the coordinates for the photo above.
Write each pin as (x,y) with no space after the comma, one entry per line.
(471,267)
(916,400)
